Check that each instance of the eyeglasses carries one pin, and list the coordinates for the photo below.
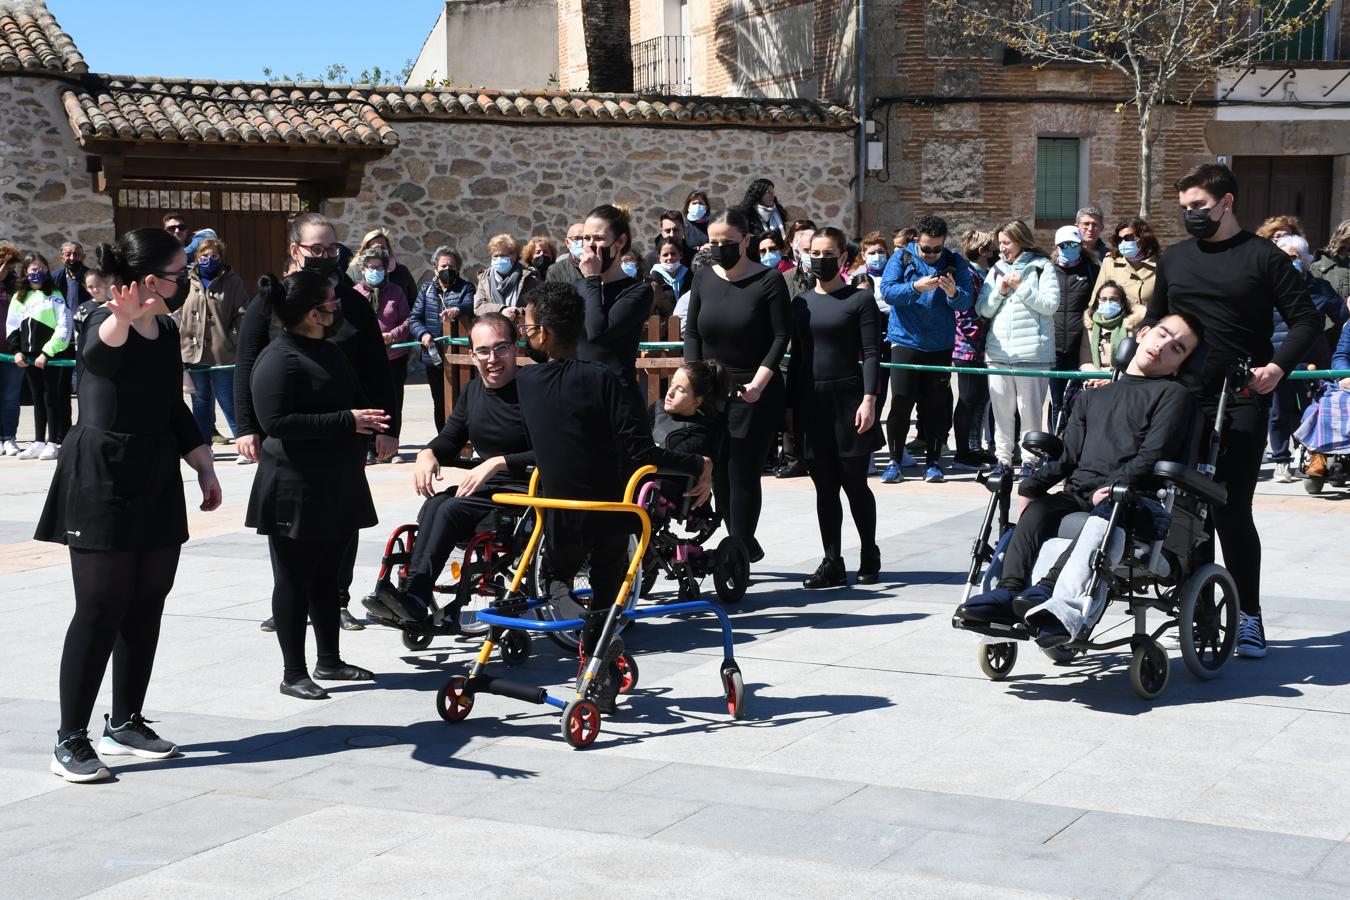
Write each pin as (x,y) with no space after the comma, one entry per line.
(319,249)
(528,329)
(1125,236)
(175,228)
(501,351)
(328,306)
(930,251)
(1067,244)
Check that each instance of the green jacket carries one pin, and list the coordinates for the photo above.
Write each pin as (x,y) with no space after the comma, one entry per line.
(39,323)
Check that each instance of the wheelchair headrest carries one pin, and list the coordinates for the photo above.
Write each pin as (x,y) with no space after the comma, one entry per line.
(1042,444)
(1120,360)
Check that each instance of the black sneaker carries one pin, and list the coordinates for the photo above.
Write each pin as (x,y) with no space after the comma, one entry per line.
(348,621)
(1251,637)
(74,760)
(135,738)
(268,625)
(869,566)
(754,550)
(829,574)
(404,607)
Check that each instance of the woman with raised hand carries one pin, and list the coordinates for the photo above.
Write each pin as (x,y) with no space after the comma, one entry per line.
(310,495)
(116,499)
(739,314)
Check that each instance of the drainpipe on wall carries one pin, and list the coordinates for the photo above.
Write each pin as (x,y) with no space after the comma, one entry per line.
(862,113)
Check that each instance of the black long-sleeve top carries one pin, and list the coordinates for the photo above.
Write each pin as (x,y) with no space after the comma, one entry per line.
(137,388)
(616,314)
(830,333)
(1232,287)
(743,324)
(585,429)
(311,481)
(1116,434)
(491,421)
(358,336)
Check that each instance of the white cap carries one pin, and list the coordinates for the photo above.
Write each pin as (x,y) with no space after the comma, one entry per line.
(1068,233)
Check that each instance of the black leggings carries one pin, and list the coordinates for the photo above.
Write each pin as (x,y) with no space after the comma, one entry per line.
(346,569)
(50,387)
(436,381)
(736,487)
(306,584)
(972,408)
(573,537)
(830,473)
(119,598)
(1239,466)
(930,391)
(444,521)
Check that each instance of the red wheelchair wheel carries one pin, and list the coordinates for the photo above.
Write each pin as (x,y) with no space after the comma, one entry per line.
(454,701)
(581,723)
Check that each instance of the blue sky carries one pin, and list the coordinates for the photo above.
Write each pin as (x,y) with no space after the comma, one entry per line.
(233,40)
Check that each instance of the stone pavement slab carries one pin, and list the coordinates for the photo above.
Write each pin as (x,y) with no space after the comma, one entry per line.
(876,760)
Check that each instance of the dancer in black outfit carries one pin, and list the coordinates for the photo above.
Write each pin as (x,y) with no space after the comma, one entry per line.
(834,404)
(587,433)
(487,415)
(314,246)
(1232,281)
(310,494)
(739,314)
(116,499)
(617,307)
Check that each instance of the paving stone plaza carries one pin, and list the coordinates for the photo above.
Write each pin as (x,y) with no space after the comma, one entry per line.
(876,759)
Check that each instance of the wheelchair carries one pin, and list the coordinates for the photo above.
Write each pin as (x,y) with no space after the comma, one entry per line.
(1328,398)
(1199,601)
(683,557)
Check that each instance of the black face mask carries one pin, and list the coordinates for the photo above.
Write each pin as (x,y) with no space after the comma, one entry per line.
(538,356)
(326,266)
(446,276)
(607,257)
(726,255)
(1199,224)
(826,268)
(180,294)
(332,328)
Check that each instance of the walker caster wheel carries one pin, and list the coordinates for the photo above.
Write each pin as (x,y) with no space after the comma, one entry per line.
(514,648)
(455,700)
(1149,668)
(417,640)
(628,672)
(733,690)
(581,723)
(997,660)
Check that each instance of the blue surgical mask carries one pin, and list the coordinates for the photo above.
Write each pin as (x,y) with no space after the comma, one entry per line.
(208,267)
(1069,253)
(502,264)
(876,262)
(1129,249)
(373,277)
(36,277)
(771,259)
(696,211)
(629,269)
(575,248)
(1108,309)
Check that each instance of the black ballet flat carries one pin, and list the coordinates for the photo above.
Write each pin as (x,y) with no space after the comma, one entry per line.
(303,689)
(344,672)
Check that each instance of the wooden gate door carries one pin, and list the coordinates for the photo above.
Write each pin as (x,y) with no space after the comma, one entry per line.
(252,222)
(1286,186)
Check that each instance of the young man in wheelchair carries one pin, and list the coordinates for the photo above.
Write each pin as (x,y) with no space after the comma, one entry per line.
(1114,437)
(487,415)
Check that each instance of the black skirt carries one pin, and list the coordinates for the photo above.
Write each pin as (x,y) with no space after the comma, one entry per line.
(823,413)
(764,415)
(114,491)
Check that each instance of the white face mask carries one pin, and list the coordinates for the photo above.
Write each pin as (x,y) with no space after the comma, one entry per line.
(671,267)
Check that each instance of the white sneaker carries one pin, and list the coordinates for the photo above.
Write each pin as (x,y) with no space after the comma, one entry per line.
(242,460)
(33,450)
(9,448)
(1282,474)
(50,451)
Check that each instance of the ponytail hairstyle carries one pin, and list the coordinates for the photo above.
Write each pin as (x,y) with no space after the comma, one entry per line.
(711,382)
(24,287)
(291,298)
(145,251)
(616,217)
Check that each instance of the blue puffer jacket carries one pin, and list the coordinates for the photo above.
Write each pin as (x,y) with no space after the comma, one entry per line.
(1341,359)
(924,320)
(425,317)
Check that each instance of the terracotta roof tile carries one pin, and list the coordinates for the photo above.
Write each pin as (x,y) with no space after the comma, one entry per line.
(126,108)
(31,40)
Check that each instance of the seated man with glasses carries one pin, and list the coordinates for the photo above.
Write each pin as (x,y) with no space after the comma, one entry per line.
(486,415)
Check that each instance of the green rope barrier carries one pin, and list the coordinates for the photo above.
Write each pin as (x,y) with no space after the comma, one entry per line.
(59,363)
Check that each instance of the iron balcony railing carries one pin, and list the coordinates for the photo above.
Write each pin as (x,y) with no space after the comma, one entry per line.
(1317,41)
(661,65)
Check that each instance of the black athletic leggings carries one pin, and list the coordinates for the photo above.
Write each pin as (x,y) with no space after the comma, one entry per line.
(306,584)
(740,465)
(1239,466)
(573,537)
(930,391)
(972,408)
(831,473)
(346,564)
(119,598)
(50,388)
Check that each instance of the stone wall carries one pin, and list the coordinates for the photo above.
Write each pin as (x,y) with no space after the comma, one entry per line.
(46,195)
(459,183)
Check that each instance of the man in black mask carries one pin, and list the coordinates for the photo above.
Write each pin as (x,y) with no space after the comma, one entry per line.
(1232,281)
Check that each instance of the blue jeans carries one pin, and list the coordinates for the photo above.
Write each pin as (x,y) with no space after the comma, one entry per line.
(212,387)
(11,383)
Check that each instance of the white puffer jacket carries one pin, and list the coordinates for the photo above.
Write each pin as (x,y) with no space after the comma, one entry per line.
(1023,328)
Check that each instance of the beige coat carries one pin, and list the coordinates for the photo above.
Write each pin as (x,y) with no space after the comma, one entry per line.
(209,320)
(1137,283)
(485,298)
(1133,316)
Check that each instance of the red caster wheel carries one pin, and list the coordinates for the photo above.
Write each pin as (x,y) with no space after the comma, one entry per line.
(454,701)
(733,690)
(628,672)
(581,723)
